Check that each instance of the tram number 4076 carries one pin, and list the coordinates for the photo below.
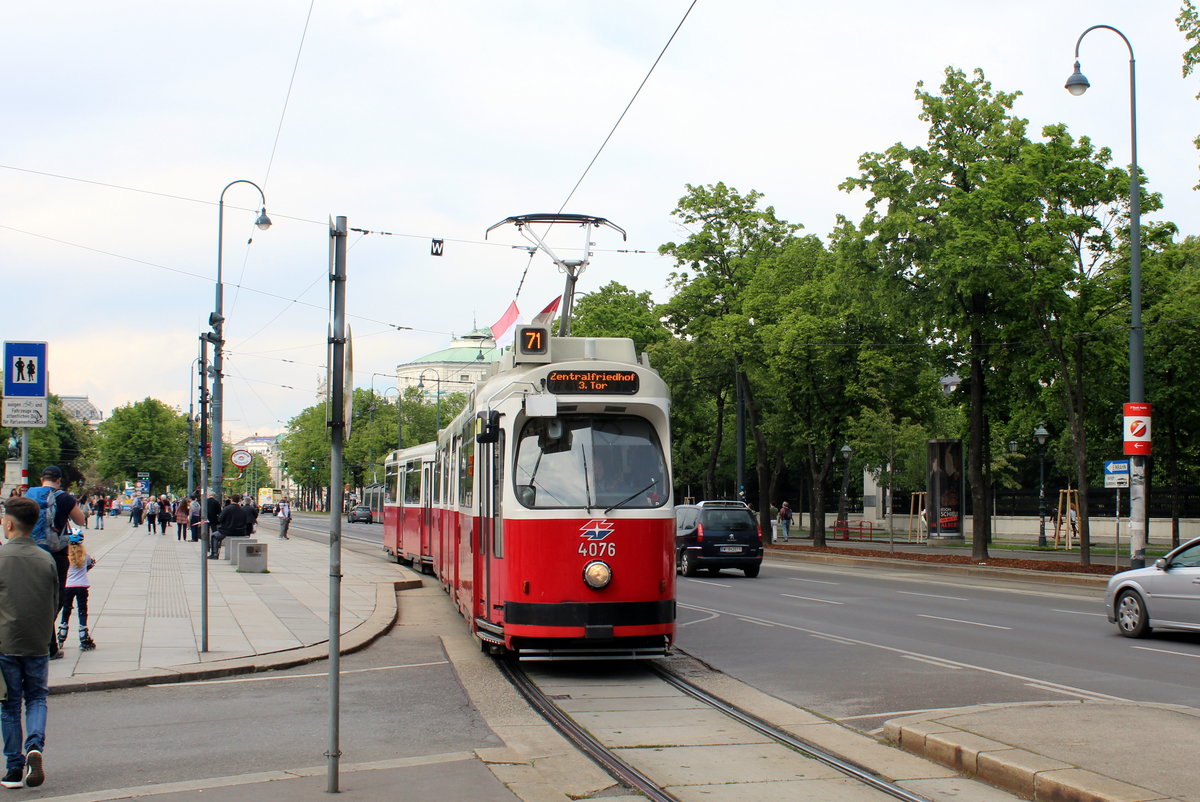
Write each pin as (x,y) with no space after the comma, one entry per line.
(594,549)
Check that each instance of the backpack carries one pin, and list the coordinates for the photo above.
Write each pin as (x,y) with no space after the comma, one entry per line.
(44,534)
(152,509)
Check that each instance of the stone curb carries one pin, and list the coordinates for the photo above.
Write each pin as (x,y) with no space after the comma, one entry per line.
(1044,577)
(378,624)
(1006,766)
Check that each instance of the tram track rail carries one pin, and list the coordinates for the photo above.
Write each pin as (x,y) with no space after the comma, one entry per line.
(620,770)
(630,776)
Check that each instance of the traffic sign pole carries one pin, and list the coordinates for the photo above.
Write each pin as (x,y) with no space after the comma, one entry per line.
(1137,446)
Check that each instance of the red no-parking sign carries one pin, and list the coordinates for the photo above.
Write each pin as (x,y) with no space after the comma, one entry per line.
(1137,428)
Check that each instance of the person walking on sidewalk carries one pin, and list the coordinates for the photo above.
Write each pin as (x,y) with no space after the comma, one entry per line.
(164,513)
(194,514)
(151,515)
(29,599)
(785,521)
(99,506)
(182,512)
(50,531)
(76,593)
(284,514)
(135,512)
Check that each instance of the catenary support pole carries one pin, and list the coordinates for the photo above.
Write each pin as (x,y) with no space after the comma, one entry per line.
(337,426)
(204,533)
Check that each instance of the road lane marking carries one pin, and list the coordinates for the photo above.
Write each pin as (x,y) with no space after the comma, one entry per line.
(294,676)
(933,662)
(836,639)
(810,598)
(933,595)
(1165,651)
(817,581)
(961,621)
(757,623)
(893,713)
(709,582)
(710,617)
(1076,612)
(897,650)
(1077,693)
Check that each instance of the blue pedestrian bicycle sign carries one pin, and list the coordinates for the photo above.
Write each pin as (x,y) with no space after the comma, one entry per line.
(1116,473)
(24,385)
(24,370)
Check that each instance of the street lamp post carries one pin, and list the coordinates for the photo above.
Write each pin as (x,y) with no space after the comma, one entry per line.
(1077,84)
(421,386)
(217,321)
(1041,435)
(844,512)
(399,407)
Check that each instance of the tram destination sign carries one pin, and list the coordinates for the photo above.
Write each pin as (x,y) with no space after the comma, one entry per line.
(586,382)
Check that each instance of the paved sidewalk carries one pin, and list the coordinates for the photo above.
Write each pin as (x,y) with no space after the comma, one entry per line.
(145,614)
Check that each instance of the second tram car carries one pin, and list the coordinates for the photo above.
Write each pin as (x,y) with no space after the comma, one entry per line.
(545,507)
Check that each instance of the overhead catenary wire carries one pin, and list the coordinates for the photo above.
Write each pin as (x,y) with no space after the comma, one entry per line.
(628,106)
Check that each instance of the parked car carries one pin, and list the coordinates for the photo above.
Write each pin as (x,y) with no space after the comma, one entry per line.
(1165,595)
(362,514)
(716,535)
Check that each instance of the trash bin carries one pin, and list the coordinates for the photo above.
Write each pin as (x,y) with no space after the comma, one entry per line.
(251,557)
(231,553)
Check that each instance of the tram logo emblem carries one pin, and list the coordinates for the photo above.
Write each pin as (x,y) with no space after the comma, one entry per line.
(597,529)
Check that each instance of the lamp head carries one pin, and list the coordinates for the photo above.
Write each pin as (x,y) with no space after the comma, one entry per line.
(1041,435)
(846,451)
(1077,84)
(263,221)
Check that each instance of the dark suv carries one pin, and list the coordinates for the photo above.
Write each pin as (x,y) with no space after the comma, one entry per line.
(716,535)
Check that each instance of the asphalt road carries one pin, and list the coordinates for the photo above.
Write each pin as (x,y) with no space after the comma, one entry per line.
(864,644)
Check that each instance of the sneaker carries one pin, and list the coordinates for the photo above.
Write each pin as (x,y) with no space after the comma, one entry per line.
(13,778)
(34,776)
(56,654)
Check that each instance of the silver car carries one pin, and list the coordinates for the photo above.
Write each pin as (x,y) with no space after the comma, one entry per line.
(1166,595)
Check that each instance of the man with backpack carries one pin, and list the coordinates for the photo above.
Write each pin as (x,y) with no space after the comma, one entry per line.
(56,507)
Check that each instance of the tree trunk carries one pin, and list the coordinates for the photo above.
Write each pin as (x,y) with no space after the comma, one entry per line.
(817,477)
(710,472)
(762,467)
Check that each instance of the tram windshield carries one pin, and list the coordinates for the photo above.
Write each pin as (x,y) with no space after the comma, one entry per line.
(591,461)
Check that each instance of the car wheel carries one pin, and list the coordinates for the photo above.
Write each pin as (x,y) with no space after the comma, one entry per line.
(687,564)
(1131,615)
(752,571)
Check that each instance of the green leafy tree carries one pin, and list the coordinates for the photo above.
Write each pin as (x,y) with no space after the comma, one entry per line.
(731,237)
(144,436)
(614,310)
(1189,23)
(942,216)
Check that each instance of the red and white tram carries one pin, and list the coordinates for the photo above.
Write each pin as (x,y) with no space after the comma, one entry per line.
(545,507)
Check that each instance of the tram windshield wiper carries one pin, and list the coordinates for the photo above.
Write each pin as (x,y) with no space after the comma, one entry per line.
(653,482)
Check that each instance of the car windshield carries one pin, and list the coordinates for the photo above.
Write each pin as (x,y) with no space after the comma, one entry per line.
(590,461)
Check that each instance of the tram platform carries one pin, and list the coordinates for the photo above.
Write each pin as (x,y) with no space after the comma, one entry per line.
(147,625)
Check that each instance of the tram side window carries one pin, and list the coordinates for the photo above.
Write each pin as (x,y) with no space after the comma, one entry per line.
(412,483)
(391,483)
(466,468)
(590,461)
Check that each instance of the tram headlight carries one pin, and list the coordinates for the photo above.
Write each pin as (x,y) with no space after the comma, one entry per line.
(597,574)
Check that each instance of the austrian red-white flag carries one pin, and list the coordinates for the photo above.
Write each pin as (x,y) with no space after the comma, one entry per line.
(546,316)
(503,329)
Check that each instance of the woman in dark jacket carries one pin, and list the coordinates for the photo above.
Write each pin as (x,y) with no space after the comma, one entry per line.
(164,514)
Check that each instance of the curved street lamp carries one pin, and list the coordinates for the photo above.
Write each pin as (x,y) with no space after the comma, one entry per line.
(217,321)
(1077,84)
(421,386)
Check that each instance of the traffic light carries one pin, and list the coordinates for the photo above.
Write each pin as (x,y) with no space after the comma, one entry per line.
(208,450)
(214,336)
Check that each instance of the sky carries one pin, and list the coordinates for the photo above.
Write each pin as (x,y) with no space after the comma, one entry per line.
(124,121)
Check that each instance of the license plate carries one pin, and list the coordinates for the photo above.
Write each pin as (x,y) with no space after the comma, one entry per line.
(730,549)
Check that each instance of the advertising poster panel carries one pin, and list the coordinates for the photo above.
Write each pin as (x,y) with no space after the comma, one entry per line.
(944,489)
